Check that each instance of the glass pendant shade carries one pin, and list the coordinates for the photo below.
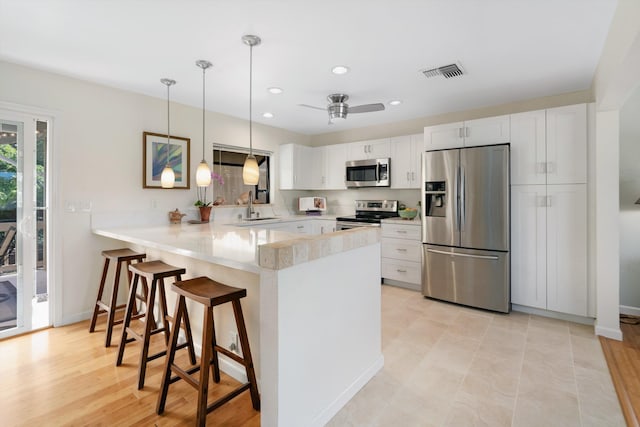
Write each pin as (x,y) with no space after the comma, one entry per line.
(168,178)
(203,174)
(250,171)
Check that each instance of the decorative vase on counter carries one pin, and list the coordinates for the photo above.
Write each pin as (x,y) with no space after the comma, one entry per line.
(205,213)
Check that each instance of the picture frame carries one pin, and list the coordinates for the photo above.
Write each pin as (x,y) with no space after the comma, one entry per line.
(154,159)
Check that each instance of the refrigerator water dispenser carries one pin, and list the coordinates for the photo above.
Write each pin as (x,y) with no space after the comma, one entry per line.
(435,196)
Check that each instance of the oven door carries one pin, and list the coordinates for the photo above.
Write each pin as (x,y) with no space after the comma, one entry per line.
(367,173)
(347,225)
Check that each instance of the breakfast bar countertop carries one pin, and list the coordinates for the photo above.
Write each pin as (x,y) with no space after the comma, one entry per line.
(226,245)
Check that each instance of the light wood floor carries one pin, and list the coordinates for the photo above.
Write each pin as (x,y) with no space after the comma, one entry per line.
(623,359)
(65,376)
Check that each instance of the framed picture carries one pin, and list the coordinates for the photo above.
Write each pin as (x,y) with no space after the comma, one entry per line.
(156,151)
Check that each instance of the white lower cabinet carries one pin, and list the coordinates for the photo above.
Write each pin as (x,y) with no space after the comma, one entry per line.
(401,251)
(549,247)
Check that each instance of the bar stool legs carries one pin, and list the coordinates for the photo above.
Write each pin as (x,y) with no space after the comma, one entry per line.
(155,272)
(120,256)
(209,293)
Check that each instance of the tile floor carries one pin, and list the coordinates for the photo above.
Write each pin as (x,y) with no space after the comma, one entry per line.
(447,365)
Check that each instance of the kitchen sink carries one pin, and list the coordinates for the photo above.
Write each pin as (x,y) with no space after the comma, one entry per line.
(264,218)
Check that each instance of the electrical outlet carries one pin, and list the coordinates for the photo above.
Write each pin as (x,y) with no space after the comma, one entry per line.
(233,339)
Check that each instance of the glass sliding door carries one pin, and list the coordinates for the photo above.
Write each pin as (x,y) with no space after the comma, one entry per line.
(24,293)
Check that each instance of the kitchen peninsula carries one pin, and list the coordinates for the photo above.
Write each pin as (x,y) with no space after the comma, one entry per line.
(313,318)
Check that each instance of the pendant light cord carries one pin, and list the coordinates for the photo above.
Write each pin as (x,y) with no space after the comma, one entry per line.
(168,127)
(203,89)
(250,99)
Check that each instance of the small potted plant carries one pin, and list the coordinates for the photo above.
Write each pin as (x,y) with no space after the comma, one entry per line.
(202,203)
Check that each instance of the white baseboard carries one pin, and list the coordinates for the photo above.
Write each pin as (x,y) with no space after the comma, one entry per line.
(75,318)
(325,416)
(631,311)
(553,314)
(614,334)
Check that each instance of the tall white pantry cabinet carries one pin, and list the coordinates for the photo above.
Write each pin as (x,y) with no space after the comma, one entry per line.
(549,209)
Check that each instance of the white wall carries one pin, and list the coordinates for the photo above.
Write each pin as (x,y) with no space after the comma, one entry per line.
(629,211)
(98,147)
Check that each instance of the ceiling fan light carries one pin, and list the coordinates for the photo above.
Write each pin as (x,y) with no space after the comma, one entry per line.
(168,178)
(338,111)
(250,171)
(203,174)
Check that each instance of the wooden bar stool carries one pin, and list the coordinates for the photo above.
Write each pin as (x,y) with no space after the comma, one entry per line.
(120,256)
(209,293)
(152,273)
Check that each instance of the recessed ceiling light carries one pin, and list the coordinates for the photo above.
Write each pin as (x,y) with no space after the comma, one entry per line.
(275,90)
(395,102)
(340,69)
(267,115)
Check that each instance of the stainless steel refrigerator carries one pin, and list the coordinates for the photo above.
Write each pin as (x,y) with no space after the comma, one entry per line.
(465,226)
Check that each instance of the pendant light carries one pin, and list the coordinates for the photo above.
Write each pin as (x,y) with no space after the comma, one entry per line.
(203,173)
(250,171)
(168,178)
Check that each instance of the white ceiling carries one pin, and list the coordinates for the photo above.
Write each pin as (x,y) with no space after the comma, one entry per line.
(510,49)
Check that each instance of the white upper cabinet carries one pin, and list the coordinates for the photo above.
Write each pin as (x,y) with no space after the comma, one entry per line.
(406,154)
(296,167)
(443,136)
(549,146)
(335,157)
(491,130)
(372,149)
(528,151)
(567,145)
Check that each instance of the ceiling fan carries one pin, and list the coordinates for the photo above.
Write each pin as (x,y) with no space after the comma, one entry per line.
(338,107)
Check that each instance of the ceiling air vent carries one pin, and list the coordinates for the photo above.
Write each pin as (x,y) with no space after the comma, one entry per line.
(448,71)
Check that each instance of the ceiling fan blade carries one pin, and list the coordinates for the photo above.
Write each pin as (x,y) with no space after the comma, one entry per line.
(366,108)
(312,106)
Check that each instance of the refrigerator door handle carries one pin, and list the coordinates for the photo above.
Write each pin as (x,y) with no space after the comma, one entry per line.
(456,199)
(462,198)
(491,257)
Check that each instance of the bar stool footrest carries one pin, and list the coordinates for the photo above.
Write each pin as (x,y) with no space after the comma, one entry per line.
(224,399)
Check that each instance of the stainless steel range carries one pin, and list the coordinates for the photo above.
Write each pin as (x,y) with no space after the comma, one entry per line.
(369,213)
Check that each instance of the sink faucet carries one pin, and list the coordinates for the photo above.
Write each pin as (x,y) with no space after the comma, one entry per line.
(250,211)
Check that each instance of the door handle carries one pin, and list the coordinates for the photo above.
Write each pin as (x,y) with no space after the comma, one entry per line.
(401,250)
(408,176)
(466,132)
(463,201)
(460,133)
(490,257)
(401,271)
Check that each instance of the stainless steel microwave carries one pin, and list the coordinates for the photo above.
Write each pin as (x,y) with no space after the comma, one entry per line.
(368,173)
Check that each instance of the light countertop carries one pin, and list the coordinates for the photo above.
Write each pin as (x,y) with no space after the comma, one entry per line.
(237,246)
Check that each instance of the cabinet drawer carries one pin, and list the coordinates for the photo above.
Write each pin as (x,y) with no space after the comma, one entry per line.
(400,231)
(403,271)
(403,249)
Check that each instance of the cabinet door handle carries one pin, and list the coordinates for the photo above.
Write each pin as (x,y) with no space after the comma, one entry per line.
(549,204)
(466,132)
(542,167)
(413,176)
(401,250)
(300,227)
(401,232)
(401,271)
(542,202)
(551,167)
(460,133)
(408,176)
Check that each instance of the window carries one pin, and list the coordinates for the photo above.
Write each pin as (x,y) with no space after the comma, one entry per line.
(228,163)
